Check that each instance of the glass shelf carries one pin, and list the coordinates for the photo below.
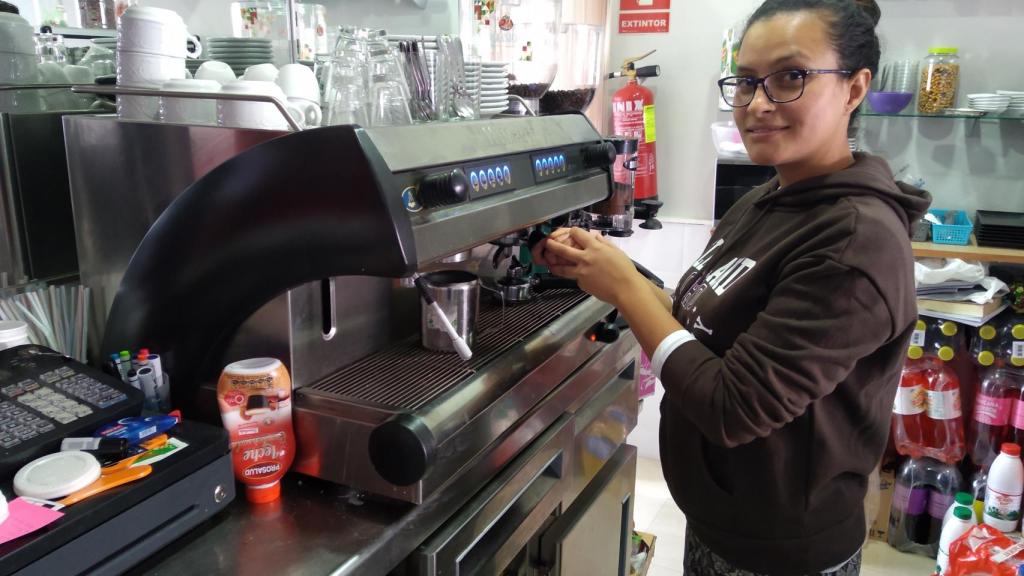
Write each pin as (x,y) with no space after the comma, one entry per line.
(84,33)
(913,114)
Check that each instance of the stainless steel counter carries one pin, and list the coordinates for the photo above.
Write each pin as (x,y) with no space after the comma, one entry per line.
(318,527)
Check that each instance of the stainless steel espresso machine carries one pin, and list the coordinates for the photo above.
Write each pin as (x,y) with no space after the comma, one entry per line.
(301,246)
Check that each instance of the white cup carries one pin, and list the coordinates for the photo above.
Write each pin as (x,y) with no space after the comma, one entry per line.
(189,110)
(19,69)
(139,68)
(155,31)
(217,71)
(309,113)
(260,115)
(299,81)
(16,34)
(142,108)
(57,98)
(265,72)
(79,74)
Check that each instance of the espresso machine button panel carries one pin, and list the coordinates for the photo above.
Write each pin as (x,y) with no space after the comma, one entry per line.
(552,165)
(493,177)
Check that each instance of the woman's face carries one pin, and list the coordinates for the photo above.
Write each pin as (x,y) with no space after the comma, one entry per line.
(816,123)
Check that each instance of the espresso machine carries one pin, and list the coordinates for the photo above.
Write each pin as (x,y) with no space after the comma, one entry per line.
(304,246)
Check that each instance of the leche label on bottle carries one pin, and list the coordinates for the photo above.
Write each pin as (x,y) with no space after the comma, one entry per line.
(1018,350)
(917,338)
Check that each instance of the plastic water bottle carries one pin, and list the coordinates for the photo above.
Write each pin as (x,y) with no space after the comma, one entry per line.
(908,410)
(923,491)
(997,394)
(963,499)
(944,429)
(1004,488)
(958,526)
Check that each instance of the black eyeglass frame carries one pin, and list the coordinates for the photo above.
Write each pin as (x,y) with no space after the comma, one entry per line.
(804,73)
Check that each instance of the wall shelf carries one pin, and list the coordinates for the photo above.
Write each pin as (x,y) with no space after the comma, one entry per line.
(84,33)
(969,252)
(913,114)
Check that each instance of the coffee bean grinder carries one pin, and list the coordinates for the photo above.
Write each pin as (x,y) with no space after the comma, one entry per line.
(615,214)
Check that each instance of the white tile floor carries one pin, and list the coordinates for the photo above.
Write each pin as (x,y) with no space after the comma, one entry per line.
(655,512)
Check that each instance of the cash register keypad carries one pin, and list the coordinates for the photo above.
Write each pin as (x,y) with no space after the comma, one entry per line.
(32,406)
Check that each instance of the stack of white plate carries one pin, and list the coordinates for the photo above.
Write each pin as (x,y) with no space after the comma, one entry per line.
(240,53)
(493,88)
(992,103)
(1016,107)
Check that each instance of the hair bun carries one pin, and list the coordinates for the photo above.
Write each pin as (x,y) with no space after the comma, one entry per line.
(871,8)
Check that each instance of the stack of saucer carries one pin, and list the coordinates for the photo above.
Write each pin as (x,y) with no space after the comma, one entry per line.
(1016,107)
(493,88)
(241,53)
(991,103)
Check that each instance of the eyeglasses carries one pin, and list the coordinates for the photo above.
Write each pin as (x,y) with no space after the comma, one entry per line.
(780,87)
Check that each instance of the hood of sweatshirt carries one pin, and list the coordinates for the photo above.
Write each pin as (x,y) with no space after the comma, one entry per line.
(868,176)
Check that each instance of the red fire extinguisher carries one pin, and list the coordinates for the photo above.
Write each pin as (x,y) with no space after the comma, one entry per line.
(633,116)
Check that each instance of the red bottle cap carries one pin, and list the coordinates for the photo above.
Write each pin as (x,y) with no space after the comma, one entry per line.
(1011,449)
(271,492)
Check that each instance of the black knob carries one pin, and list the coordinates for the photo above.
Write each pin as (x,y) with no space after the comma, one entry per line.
(649,212)
(599,155)
(444,189)
(607,332)
(402,449)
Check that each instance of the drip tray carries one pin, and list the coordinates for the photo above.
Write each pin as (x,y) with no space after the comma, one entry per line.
(405,376)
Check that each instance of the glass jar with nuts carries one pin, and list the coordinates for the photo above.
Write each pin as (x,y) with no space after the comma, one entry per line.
(940,80)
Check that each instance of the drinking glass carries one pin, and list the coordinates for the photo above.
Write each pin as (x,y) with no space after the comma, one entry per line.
(390,104)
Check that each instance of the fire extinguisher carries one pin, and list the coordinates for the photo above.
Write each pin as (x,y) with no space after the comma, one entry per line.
(633,116)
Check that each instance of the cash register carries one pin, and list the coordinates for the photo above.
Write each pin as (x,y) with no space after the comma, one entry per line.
(45,397)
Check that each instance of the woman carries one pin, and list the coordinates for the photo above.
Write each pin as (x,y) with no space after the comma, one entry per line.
(781,350)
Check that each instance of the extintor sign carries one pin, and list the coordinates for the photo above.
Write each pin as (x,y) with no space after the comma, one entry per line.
(643,23)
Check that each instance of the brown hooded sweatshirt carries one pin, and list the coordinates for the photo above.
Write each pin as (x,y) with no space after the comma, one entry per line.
(802,305)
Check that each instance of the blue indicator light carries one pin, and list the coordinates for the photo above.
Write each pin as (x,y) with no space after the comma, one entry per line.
(537,164)
(474,180)
(508,175)
(490,177)
(483,179)
(497,174)
(561,160)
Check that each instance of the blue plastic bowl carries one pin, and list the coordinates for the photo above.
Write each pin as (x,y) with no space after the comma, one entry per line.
(889,102)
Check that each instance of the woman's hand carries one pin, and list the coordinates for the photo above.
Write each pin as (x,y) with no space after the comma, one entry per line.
(598,265)
(543,257)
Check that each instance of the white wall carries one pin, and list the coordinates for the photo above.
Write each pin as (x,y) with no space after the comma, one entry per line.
(966,164)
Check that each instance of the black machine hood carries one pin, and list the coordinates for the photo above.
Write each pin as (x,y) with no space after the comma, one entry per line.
(296,209)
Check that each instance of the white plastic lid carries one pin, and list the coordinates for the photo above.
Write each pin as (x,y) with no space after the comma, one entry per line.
(56,475)
(11,330)
(3,508)
(252,366)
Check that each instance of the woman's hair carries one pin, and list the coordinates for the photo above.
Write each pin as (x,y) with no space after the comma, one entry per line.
(851,27)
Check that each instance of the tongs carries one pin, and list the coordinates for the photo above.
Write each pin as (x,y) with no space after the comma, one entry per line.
(462,103)
(415,67)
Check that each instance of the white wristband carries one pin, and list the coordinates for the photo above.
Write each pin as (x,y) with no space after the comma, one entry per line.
(667,347)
